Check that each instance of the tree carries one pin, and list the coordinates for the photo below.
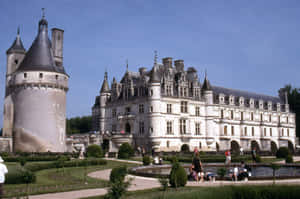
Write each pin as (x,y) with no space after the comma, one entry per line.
(293,95)
(274,167)
(79,124)
(94,150)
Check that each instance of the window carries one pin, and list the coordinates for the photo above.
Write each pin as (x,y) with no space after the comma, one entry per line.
(127,110)
(242,115)
(197,128)
(16,61)
(270,131)
(25,75)
(287,119)
(278,119)
(169,108)
(252,116)
(270,118)
(245,131)
(41,75)
(265,132)
(151,130)
(141,108)
(151,92)
(142,129)
(169,90)
(200,145)
(113,128)
(183,107)
(288,132)
(261,117)
(168,144)
(169,127)
(232,130)
(252,131)
(182,126)
(231,114)
(225,130)
(151,109)
(197,111)
(185,92)
(222,114)
(56,76)
(114,112)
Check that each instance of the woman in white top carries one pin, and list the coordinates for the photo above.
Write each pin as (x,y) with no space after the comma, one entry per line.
(3,171)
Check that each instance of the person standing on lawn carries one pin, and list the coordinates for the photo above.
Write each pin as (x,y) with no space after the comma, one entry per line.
(253,153)
(3,171)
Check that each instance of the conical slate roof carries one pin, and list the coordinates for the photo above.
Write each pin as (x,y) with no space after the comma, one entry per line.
(154,75)
(105,86)
(40,55)
(17,46)
(206,85)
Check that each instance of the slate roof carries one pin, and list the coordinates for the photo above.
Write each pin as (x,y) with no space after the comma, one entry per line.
(40,55)
(17,46)
(245,94)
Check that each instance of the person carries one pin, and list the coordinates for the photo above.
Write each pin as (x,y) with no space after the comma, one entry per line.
(244,172)
(241,151)
(227,157)
(235,173)
(197,167)
(253,153)
(3,171)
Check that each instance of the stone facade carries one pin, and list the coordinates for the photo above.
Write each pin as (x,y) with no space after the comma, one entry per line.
(35,95)
(166,107)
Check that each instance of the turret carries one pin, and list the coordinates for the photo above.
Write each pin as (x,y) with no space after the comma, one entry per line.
(104,95)
(207,91)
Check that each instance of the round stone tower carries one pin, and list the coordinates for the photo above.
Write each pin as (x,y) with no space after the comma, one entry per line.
(38,89)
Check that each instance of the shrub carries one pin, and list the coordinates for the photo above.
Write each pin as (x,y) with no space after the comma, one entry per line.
(289,159)
(258,159)
(282,152)
(118,174)
(20,176)
(221,172)
(117,189)
(185,148)
(94,151)
(164,183)
(22,161)
(125,151)
(178,176)
(146,160)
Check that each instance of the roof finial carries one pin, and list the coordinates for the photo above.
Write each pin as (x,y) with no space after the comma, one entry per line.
(205,73)
(105,75)
(127,65)
(18,31)
(155,57)
(43,13)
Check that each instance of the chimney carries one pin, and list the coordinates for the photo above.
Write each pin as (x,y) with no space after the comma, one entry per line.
(57,45)
(179,65)
(142,71)
(167,62)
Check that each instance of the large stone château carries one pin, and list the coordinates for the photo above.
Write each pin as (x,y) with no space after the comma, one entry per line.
(167,106)
(35,94)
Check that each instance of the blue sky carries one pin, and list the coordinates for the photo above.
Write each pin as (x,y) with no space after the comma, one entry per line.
(250,45)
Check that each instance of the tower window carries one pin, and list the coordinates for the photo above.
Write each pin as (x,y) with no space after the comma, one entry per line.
(25,75)
(41,75)
(16,61)
(56,76)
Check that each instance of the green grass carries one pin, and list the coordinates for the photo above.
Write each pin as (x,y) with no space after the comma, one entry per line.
(57,180)
(225,192)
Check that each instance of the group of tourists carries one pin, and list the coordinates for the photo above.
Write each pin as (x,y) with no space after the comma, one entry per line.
(238,172)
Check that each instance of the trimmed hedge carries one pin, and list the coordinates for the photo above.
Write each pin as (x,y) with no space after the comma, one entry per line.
(20,176)
(146,160)
(125,151)
(118,174)
(283,152)
(178,176)
(32,158)
(208,159)
(94,150)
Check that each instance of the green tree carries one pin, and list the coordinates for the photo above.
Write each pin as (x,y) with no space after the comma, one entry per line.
(79,124)
(293,95)
(94,150)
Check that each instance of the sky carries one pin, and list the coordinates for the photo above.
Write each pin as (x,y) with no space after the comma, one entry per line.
(248,45)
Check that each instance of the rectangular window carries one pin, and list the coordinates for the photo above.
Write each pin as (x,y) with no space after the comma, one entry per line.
(141,128)
(225,130)
(265,132)
(127,110)
(252,131)
(185,92)
(169,127)
(270,118)
(231,115)
(287,119)
(169,108)
(242,115)
(113,128)
(261,117)
(232,130)
(288,132)
(141,108)
(183,107)
(197,111)
(245,131)
(222,114)
(25,75)
(114,112)
(197,128)
(41,75)
(182,126)
(151,109)
(168,144)
(278,119)
(270,131)
(252,116)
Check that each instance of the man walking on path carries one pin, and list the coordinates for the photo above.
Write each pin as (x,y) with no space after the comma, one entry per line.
(3,171)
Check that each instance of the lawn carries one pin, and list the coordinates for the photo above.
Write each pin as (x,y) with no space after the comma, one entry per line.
(226,192)
(56,180)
